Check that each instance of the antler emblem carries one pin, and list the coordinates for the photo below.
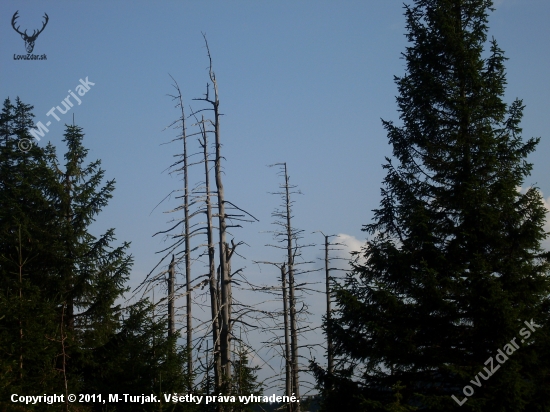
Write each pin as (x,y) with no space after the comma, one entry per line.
(29,40)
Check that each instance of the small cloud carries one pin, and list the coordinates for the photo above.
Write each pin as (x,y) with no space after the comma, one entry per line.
(344,246)
(546,242)
(349,244)
(546,202)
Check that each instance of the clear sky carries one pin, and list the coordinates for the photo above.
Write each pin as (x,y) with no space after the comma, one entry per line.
(302,82)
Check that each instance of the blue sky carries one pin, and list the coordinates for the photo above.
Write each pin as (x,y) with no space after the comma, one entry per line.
(302,82)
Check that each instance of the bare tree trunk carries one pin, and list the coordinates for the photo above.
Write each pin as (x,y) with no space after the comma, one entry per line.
(212,268)
(171,281)
(229,253)
(225,252)
(222,227)
(292,297)
(207,371)
(288,367)
(329,338)
(186,235)
(189,319)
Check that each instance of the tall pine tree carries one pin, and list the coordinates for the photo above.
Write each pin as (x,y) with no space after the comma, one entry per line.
(454,266)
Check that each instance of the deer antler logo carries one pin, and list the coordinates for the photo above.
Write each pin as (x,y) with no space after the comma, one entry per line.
(29,40)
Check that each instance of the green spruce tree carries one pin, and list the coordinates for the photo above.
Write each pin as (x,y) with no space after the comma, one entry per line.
(454,266)
(29,328)
(245,380)
(140,359)
(90,273)
(61,328)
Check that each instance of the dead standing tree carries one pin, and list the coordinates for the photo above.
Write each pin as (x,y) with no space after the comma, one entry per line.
(225,338)
(213,284)
(288,237)
(328,315)
(182,166)
(220,286)
(328,247)
(171,284)
(223,294)
(288,364)
(180,240)
(291,250)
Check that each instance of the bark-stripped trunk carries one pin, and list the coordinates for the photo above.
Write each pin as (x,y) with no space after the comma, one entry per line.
(288,366)
(189,319)
(225,345)
(292,297)
(229,253)
(329,339)
(212,269)
(171,281)
(186,234)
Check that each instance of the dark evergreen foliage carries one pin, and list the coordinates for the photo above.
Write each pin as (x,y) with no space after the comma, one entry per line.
(61,328)
(454,265)
(29,323)
(139,359)
(245,380)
